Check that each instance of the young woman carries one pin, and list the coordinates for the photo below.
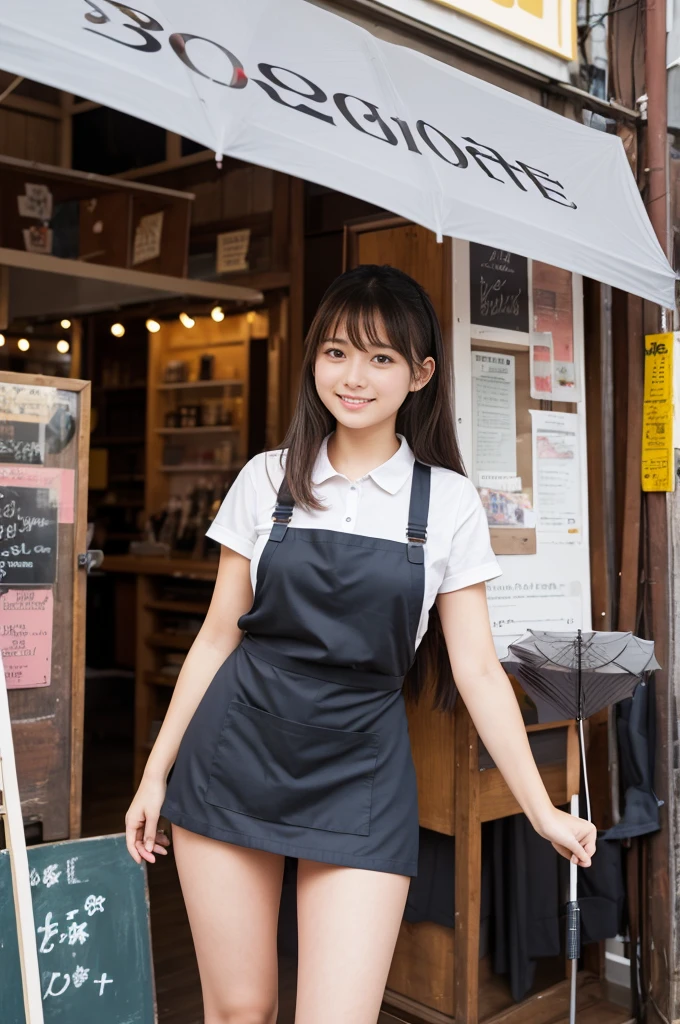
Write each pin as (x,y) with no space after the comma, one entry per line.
(287,732)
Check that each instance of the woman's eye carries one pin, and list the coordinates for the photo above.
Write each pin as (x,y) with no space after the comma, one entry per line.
(382,356)
(334,352)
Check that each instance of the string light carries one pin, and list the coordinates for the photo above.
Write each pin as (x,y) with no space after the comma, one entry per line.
(185,319)
(217,313)
(117,330)
(66,324)
(2,340)
(23,344)
(63,346)
(153,326)
(250,317)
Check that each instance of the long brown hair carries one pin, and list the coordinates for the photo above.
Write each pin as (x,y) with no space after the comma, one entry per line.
(360,298)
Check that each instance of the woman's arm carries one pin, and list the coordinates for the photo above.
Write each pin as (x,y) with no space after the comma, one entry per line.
(217,638)
(493,707)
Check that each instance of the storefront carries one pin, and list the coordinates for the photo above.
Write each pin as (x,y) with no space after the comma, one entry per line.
(546,367)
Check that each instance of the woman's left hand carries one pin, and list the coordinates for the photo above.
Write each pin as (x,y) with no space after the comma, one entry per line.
(572,837)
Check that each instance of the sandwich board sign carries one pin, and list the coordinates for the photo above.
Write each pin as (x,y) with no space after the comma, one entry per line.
(75,939)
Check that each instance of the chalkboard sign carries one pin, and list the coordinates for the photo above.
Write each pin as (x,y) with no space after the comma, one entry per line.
(22,441)
(499,288)
(28,535)
(91,910)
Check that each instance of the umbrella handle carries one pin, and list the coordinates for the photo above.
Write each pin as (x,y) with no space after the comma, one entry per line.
(573,940)
(573,943)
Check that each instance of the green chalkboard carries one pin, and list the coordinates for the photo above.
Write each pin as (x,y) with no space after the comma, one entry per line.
(91,910)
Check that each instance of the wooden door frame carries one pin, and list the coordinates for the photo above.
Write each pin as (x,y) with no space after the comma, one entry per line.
(83,389)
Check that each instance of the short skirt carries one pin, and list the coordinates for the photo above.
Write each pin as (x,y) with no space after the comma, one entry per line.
(290,763)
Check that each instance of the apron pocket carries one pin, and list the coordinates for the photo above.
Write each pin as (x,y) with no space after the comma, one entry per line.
(284,771)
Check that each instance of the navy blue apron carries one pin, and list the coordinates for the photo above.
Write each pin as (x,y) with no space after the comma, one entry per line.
(300,744)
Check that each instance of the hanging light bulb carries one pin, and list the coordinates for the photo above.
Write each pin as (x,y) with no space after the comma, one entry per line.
(66,324)
(23,344)
(153,326)
(63,346)
(217,313)
(2,340)
(117,330)
(250,317)
(185,319)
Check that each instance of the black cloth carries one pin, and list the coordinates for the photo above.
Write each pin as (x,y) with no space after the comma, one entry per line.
(525,887)
(635,727)
(431,895)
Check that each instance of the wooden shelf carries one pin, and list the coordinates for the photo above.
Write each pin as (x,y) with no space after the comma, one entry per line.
(120,387)
(159,679)
(196,467)
(171,641)
(180,384)
(198,430)
(178,607)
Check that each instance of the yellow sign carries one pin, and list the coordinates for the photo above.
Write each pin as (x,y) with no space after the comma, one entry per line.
(547,24)
(657,417)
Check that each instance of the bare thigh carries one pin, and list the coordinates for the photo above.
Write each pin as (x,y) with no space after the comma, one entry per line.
(348,923)
(232,896)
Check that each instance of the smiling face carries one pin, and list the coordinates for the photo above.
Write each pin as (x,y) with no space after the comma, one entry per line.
(363,388)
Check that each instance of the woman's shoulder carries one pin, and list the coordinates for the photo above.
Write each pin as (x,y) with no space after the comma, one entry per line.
(453,489)
(266,468)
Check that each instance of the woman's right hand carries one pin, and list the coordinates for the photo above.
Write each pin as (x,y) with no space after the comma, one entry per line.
(142,836)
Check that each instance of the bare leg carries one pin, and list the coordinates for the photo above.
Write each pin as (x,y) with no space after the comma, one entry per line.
(348,923)
(232,896)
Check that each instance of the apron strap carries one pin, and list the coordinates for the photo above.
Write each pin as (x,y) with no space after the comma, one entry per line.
(419,508)
(283,511)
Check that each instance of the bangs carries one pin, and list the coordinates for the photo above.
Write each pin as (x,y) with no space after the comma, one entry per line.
(363,311)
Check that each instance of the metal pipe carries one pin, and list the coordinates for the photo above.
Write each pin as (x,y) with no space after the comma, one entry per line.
(657,118)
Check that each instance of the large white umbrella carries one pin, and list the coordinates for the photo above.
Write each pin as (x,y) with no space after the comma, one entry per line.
(296,88)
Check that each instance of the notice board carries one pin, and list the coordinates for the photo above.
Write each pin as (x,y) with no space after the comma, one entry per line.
(91,911)
(44,444)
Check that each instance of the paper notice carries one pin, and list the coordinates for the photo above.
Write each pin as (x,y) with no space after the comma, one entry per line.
(38,238)
(657,415)
(232,251)
(60,481)
(541,365)
(493,414)
(148,234)
(557,476)
(533,603)
(37,202)
(26,637)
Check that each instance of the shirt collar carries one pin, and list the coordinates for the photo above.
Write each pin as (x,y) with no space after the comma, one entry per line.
(391,475)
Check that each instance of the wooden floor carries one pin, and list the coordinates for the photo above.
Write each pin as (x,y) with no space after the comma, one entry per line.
(107,791)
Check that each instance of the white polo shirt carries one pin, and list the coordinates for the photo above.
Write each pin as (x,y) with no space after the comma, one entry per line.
(458,549)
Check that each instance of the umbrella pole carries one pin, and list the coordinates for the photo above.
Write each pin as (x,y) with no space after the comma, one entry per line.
(573,926)
(585,770)
(579,642)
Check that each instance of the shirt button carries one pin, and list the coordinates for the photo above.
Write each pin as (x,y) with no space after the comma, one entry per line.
(352,488)
(348,519)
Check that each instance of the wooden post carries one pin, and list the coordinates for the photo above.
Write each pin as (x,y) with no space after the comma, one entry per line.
(10,812)
(468,889)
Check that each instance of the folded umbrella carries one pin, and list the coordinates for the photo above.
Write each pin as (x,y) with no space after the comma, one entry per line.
(578,674)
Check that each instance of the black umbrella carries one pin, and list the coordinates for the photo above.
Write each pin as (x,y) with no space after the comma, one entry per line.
(578,674)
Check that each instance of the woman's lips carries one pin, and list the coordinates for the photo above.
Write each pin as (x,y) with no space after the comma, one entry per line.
(354,403)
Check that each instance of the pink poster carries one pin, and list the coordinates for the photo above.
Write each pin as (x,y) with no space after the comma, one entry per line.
(60,480)
(26,637)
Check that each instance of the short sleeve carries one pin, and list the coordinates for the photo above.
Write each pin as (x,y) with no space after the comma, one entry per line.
(234,524)
(471,559)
